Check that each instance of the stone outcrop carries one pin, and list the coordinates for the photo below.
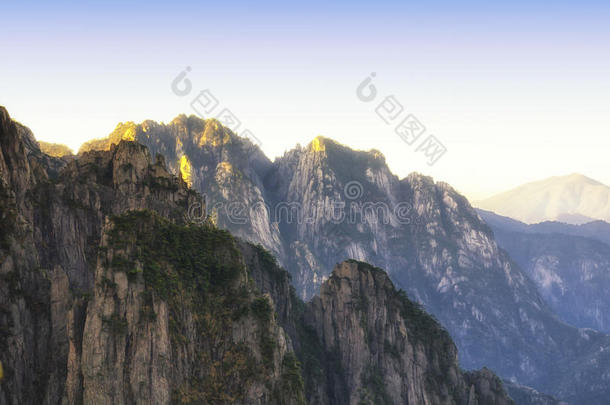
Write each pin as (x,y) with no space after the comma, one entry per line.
(391,351)
(56,150)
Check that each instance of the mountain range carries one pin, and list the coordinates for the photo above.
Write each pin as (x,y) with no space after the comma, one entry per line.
(597,230)
(320,204)
(110,294)
(573,199)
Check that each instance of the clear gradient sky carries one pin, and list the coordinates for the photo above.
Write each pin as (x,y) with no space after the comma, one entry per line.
(517,91)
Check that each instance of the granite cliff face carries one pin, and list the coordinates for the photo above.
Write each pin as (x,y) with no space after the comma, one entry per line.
(214,161)
(109,294)
(325,202)
(173,318)
(361,341)
(391,350)
(103,302)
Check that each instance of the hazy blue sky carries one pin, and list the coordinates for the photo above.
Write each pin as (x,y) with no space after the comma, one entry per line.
(516,91)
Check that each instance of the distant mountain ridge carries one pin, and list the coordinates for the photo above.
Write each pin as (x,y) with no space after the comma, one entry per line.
(598,230)
(573,199)
(571,271)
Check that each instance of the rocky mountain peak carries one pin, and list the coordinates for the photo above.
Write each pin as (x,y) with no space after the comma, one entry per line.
(318,144)
(22,164)
(337,151)
(581,178)
(55,149)
(124,131)
(394,352)
(368,278)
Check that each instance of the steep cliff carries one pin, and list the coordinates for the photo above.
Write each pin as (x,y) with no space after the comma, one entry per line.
(391,351)
(102,302)
(174,318)
(361,341)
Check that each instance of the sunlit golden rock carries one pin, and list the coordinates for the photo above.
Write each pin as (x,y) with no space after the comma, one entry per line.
(186,170)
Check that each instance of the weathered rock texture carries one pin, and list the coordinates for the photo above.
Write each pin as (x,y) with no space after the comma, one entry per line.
(391,351)
(104,303)
(174,318)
